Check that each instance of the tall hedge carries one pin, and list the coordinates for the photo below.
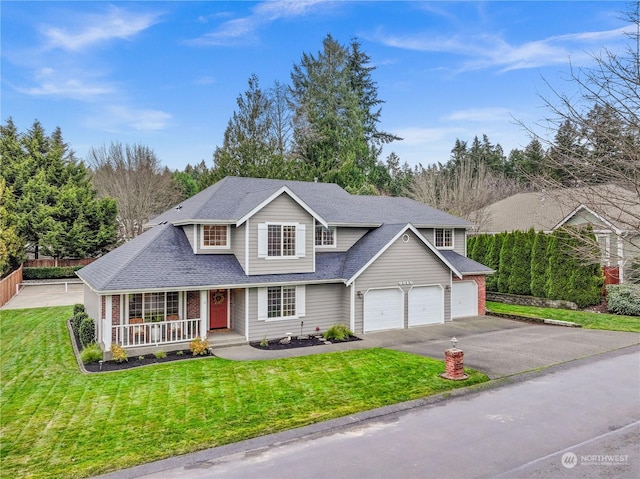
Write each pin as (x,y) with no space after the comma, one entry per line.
(560,265)
(493,261)
(539,264)
(481,248)
(506,262)
(520,277)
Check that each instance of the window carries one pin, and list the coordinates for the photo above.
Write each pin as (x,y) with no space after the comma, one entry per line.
(281,240)
(153,305)
(605,250)
(325,236)
(215,236)
(281,302)
(444,238)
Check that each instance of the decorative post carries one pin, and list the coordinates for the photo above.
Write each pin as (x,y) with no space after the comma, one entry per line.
(454,363)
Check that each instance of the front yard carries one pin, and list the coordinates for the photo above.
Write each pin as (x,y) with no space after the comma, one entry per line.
(58,422)
(611,322)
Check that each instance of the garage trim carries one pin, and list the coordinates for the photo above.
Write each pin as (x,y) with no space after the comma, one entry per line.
(418,304)
(385,312)
(465,302)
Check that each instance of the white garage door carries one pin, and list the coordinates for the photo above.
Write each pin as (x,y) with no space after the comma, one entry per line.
(383,309)
(464,299)
(426,305)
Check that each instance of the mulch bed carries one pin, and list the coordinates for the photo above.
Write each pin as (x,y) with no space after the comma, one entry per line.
(298,342)
(137,361)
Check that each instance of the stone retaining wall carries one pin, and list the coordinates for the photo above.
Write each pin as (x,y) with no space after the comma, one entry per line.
(529,301)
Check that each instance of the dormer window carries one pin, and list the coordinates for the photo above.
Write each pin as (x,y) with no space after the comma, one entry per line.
(215,236)
(325,236)
(443,238)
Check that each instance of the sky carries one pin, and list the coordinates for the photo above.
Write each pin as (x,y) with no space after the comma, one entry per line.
(167,75)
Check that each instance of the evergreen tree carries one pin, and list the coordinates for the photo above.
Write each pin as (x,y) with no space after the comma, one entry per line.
(57,211)
(506,262)
(336,116)
(12,252)
(539,265)
(481,248)
(559,267)
(494,261)
(520,277)
(586,280)
(249,147)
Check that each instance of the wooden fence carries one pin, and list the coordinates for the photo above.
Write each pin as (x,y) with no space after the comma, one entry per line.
(8,286)
(52,262)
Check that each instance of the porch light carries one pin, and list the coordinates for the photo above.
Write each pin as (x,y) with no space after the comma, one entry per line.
(454,342)
(360,295)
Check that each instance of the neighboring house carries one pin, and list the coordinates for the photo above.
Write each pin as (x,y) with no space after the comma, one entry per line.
(264,258)
(612,212)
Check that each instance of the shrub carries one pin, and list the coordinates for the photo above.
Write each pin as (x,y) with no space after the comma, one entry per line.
(337,332)
(624,299)
(87,332)
(160,354)
(91,353)
(539,263)
(56,272)
(76,321)
(118,353)
(78,308)
(199,346)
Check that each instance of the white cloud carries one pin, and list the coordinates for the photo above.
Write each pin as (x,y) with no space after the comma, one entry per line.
(492,51)
(65,84)
(93,29)
(243,30)
(480,115)
(120,118)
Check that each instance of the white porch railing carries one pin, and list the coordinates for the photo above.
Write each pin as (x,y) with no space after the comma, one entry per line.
(152,334)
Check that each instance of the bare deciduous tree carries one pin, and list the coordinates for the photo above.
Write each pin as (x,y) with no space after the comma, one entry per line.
(462,191)
(134,177)
(606,113)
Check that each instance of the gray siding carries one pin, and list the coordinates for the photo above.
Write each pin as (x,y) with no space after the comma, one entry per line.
(324,308)
(188,231)
(401,263)
(347,237)
(91,303)
(238,309)
(459,238)
(238,244)
(281,210)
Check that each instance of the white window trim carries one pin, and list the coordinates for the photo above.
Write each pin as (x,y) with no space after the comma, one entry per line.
(326,246)
(124,304)
(205,247)
(263,304)
(453,238)
(263,240)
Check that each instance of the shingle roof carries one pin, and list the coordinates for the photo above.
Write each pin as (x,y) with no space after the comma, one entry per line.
(465,265)
(544,210)
(233,197)
(162,258)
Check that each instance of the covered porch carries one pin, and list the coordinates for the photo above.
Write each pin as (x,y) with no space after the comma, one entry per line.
(167,320)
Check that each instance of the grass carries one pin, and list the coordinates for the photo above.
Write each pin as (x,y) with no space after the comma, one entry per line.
(58,422)
(611,322)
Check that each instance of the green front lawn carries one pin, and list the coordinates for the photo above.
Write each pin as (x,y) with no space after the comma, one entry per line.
(58,422)
(612,322)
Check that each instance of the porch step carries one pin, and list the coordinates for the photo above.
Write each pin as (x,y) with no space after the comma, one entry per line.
(225,339)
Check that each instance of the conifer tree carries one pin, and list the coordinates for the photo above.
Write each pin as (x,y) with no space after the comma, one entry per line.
(539,265)
(506,262)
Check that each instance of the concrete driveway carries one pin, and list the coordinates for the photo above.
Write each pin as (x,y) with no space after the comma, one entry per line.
(39,295)
(498,347)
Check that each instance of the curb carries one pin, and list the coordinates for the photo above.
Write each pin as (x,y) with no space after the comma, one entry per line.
(530,319)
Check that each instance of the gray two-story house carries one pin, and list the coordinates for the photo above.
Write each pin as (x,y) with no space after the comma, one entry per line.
(264,258)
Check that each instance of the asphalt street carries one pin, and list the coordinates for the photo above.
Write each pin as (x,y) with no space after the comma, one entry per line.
(578,419)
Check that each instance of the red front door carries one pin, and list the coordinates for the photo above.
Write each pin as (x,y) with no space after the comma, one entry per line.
(218,309)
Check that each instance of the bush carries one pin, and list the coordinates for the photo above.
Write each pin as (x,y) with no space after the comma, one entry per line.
(78,308)
(160,354)
(118,353)
(337,332)
(76,321)
(91,353)
(624,299)
(87,332)
(199,346)
(56,272)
